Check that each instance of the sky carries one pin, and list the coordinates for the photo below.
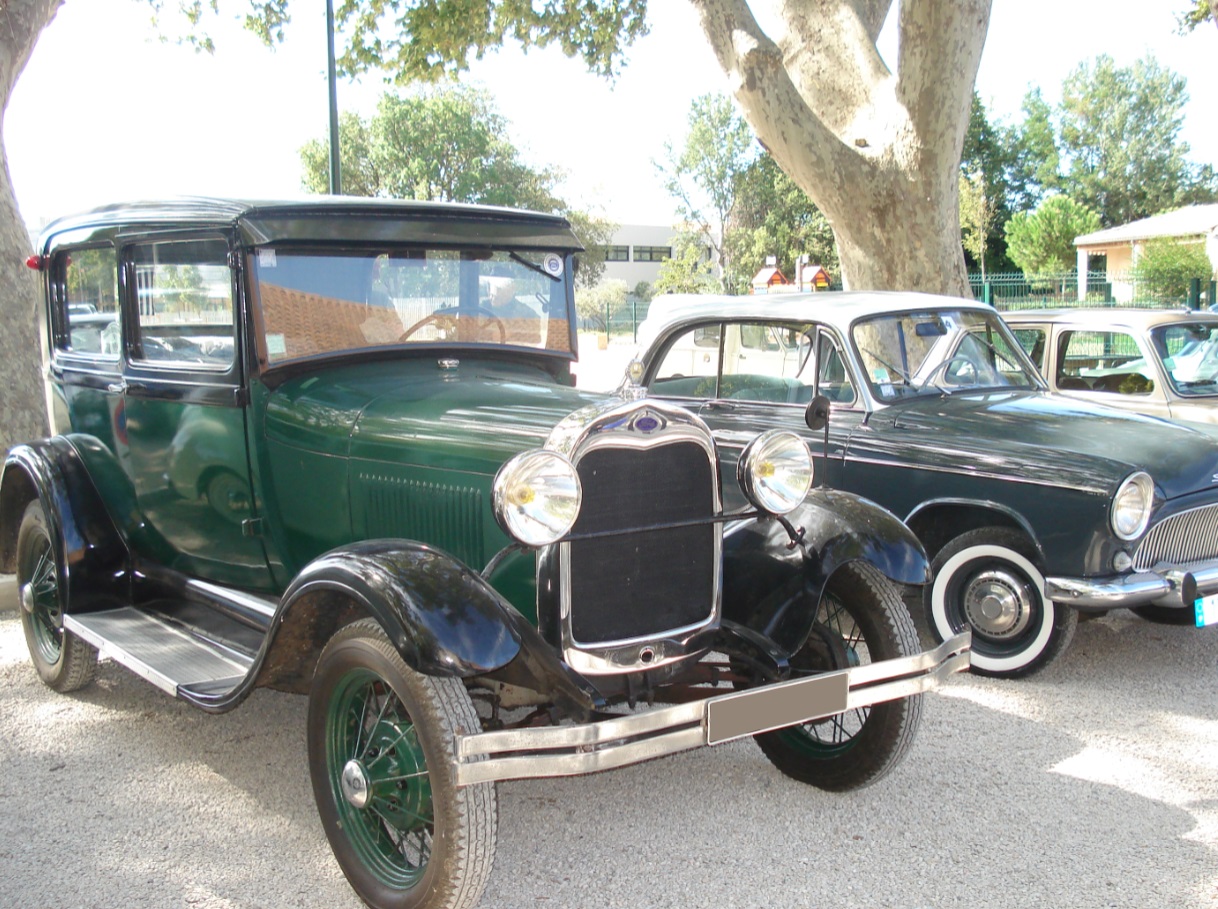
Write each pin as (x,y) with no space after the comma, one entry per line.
(107,112)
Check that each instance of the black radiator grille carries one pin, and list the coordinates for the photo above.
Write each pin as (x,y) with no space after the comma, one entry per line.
(644,583)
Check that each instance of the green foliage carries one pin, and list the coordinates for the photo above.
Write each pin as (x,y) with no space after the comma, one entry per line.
(1032,162)
(1201,11)
(1164,269)
(1043,242)
(1120,134)
(978,216)
(774,217)
(447,143)
(689,271)
(597,306)
(412,40)
(704,175)
(643,291)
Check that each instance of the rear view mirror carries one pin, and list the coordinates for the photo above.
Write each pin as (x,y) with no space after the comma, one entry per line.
(817,413)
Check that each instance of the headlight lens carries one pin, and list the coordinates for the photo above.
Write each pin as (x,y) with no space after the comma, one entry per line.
(775,471)
(1131,506)
(537,496)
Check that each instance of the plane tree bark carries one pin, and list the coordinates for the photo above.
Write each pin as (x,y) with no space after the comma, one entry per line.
(877,151)
(22,406)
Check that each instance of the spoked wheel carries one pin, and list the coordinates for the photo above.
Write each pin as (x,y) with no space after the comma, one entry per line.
(381,756)
(859,620)
(987,580)
(63,661)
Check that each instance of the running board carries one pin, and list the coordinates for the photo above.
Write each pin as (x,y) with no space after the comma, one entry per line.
(160,652)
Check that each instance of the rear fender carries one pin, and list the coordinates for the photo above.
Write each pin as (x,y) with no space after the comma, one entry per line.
(443,617)
(771,586)
(62,472)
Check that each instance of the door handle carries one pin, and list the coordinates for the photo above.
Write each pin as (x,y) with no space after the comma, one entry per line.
(117,388)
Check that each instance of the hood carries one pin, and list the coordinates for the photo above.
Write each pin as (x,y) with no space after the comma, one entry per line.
(1053,439)
(470,418)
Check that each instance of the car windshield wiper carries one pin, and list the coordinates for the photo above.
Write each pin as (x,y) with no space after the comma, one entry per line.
(516,257)
(905,380)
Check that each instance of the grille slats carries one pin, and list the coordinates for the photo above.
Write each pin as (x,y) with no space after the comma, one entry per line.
(1190,536)
(447,517)
(644,583)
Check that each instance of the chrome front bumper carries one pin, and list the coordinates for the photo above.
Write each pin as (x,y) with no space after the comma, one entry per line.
(548,751)
(1175,587)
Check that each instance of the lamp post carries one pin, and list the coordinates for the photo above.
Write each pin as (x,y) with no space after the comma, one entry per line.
(336,176)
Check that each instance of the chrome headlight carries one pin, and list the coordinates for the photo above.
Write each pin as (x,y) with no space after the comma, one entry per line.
(537,496)
(1131,506)
(775,471)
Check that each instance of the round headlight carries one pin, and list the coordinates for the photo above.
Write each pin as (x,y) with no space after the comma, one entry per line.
(537,496)
(775,471)
(1131,506)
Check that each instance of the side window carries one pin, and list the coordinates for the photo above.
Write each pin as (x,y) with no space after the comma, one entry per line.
(1104,361)
(88,296)
(690,365)
(184,303)
(831,370)
(1032,340)
(763,362)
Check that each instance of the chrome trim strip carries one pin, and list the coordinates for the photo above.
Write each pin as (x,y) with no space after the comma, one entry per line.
(550,751)
(254,603)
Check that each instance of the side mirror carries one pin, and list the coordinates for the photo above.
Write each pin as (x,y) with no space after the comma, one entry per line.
(817,413)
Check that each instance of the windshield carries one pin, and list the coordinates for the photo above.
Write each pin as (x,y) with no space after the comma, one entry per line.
(327,301)
(933,353)
(1190,357)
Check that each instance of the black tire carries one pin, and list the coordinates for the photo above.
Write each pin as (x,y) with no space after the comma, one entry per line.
(381,740)
(988,580)
(1166,615)
(64,662)
(860,619)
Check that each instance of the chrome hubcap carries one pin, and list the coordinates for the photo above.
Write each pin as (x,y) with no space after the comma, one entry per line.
(27,597)
(998,604)
(356,788)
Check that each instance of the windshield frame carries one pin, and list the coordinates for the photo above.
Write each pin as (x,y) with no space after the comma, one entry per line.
(930,376)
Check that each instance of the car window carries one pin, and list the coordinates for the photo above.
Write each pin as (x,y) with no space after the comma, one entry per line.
(689,367)
(766,362)
(1032,340)
(334,301)
(833,377)
(184,303)
(1103,361)
(87,284)
(1190,357)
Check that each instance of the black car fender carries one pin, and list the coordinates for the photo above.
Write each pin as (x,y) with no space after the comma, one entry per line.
(443,617)
(62,472)
(771,584)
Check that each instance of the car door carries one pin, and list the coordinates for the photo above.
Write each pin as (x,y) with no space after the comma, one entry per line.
(1109,366)
(185,446)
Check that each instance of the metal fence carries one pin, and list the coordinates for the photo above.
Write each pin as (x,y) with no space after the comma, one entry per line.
(1015,290)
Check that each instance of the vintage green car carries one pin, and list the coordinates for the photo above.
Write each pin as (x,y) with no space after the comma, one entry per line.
(333,447)
(1033,506)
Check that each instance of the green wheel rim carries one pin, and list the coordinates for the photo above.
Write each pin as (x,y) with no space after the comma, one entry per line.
(833,735)
(40,583)
(379,779)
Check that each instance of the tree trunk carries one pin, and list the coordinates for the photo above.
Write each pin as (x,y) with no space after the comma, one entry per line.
(877,152)
(22,403)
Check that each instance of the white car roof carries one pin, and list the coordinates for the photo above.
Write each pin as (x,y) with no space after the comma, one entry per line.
(838,308)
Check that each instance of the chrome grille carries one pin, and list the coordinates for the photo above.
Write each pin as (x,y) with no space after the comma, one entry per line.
(1189,536)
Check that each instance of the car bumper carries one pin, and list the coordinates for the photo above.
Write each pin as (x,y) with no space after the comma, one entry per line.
(550,751)
(1176,587)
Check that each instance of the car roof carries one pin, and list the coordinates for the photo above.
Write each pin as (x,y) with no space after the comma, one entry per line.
(838,308)
(313,220)
(1108,317)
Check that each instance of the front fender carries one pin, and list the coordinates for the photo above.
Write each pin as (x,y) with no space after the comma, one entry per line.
(443,617)
(771,586)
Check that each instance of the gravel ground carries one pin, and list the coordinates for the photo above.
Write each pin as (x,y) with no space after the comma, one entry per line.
(1094,784)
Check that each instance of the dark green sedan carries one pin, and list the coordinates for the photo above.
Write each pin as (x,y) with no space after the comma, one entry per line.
(333,447)
(1032,506)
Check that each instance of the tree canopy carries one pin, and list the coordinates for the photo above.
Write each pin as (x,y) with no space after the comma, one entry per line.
(1042,242)
(448,143)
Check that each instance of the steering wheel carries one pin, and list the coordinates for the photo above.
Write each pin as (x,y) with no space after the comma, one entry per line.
(449,317)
